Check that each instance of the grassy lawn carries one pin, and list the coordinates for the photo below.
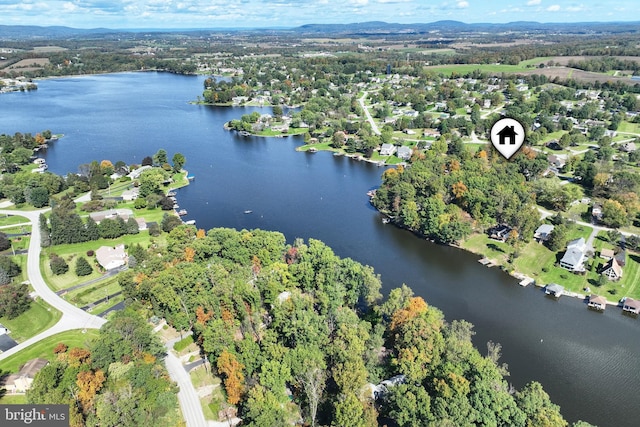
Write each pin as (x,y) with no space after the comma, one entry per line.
(321,146)
(70,251)
(481,244)
(212,403)
(11,220)
(102,307)
(84,296)
(629,127)
(183,343)
(474,146)
(292,131)
(44,348)
(39,317)
(13,399)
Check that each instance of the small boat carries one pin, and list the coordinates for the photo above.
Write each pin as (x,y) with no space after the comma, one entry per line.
(248,211)
(182,212)
(386,220)
(313,150)
(190,222)
(176,206)
(244,133)
(191,177)
(171,194)
(337,154)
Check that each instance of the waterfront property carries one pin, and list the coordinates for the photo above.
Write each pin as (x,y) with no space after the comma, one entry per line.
(543,232)
(597,302)
(573,258)
(554,289)
(125,214)
(499,232)
(631,306)
(612,270)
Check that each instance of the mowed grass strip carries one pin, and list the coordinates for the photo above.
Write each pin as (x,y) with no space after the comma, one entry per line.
(44,348)
(40,317)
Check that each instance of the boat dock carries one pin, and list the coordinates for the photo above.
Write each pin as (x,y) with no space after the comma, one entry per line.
(487,262)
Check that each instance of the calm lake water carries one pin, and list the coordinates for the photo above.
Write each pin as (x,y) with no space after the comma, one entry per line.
(588,362)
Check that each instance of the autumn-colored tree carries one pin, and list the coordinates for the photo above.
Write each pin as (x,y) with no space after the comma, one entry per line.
(201,316)
(414,308)
(458,189)
(78,356)
(227,316)
(229,366)
(106,164)
(200,234)
(256,265)
(39,139)
(189,254)
(148,358)
(60,348)
(140,277)
(89,383)
(454,165)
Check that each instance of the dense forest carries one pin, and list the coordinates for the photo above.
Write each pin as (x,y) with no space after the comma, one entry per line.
(296,332)
(118,381)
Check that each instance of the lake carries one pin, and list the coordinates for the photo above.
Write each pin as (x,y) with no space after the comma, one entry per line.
(588,362)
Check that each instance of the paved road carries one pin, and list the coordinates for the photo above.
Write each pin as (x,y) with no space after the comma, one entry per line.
(72,316)
(75,318)
(188,398)
(374,126)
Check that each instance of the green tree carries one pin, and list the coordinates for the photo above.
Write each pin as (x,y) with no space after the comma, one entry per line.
(58,265)
(14,300)
(178,162)
(160,157)
(83,268)
(169,222)
(558,238)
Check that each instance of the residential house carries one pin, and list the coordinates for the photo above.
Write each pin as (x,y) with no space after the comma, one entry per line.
(628,147)
(596,212)
(387,149)
(556,162)
(132,194)
(21,382)
(631,306)
(404,153)
(125,214)
(573,258)
(142,224)
(135,174)
(597,302)
(4,330)
(554,289)
(499,232)
(621,257)
(111,257)
(607,254)
(543,232)
(612,270)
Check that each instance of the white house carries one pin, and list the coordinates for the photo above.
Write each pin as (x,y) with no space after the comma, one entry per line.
(543,232)
(111,257)
(4,330)
(573,258)
(387,149)
(132,194)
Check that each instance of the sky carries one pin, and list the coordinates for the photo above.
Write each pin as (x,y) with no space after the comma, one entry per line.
(130,14)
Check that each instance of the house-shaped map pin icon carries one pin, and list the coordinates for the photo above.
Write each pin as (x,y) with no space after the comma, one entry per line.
(507,135)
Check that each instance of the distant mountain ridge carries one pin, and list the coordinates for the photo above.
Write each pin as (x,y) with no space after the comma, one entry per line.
(13,32)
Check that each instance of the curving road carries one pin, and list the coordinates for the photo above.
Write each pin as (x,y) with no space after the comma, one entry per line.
(374,126)
(76,318)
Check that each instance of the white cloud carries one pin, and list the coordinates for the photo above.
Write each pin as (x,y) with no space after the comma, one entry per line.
(463,4)
(533,2)
(579,8)
(553,8)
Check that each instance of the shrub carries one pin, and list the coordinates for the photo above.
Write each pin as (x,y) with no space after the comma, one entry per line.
(83,268)
(60,348)
(58,265)
(90,253)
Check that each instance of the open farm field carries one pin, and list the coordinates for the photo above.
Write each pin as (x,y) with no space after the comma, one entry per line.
(30,64)
(565,73)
